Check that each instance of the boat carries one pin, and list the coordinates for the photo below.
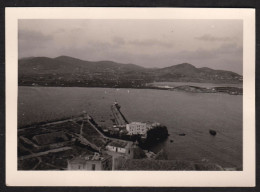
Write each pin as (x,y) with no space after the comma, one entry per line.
(212,132)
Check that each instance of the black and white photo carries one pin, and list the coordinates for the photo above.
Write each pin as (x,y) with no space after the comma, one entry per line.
(132,95)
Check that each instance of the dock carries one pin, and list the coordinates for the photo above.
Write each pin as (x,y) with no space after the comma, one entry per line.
(120,119)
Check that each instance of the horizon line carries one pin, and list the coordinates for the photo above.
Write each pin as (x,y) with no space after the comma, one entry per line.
(126,63)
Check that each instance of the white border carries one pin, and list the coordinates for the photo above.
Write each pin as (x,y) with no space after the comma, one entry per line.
(131,178)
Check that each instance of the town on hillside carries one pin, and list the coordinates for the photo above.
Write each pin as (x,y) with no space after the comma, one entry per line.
(81,144)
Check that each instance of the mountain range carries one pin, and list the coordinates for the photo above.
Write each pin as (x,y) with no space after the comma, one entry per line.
(69,71)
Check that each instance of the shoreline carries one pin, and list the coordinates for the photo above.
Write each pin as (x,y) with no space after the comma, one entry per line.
(231,90)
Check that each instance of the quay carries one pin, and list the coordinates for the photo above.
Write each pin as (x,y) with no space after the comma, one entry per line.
(120,119)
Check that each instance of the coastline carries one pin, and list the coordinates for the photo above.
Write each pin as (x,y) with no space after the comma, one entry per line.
(232,90)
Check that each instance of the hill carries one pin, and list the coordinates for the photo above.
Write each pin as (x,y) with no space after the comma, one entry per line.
(69,71)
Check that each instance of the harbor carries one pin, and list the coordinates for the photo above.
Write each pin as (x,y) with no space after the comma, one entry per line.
(76,135)
(98,105)
(80,144)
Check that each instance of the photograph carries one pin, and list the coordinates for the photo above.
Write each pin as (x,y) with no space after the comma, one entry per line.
(145,97)
(130,94)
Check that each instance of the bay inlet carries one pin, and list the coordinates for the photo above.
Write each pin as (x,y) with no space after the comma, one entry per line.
(192,114)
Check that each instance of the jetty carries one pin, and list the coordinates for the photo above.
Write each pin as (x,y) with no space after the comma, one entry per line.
(120,119)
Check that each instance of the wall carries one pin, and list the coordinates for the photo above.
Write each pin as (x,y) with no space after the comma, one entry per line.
(121,150)
(88,165)
(111,148)
(72,166)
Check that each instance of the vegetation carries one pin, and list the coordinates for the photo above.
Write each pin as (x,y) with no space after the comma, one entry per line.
(154,136)
(139,153)
(71,72)
(147,164)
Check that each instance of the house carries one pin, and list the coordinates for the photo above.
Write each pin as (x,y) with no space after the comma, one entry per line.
(136,128)
(139,128)
(91,162)
(121,147)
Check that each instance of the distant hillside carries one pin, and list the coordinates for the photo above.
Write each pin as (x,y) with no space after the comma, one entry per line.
(68,71)
(64,64)
(186,72)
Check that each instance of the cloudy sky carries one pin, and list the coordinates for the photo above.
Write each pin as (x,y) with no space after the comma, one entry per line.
(217,44)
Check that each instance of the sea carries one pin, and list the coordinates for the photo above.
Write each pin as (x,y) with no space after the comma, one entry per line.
(188,117)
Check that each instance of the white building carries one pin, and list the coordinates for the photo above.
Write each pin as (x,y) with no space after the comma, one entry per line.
(120,147)
(139,128)
(91,162)
(135,128)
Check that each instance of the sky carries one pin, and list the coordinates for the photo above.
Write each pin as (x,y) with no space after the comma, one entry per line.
(217,44)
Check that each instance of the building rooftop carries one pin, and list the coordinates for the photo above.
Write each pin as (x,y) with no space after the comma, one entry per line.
(83,159)
(77,160)
(118,144)
(147,123)
(137,123)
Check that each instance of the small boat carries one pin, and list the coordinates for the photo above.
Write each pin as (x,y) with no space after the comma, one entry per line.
(182,134)
(212,132)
